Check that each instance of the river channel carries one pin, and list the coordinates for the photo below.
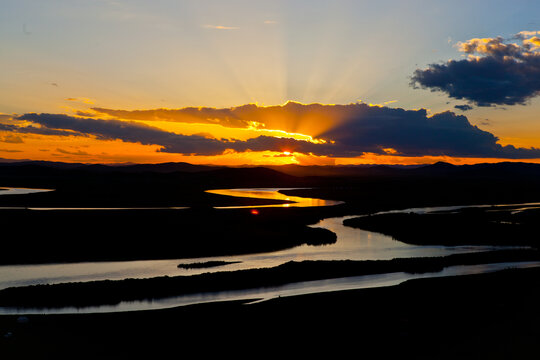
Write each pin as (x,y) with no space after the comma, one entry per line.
(351,244)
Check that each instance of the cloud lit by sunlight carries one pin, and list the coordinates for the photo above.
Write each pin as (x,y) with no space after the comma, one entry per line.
(221,27)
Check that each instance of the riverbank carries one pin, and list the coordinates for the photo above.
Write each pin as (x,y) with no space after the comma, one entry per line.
(107,292)
(114,235)
(514,225)
(467,317)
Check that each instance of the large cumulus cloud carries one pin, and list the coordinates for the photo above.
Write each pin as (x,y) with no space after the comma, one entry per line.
(292,117)
(125,131)
(359,129)
(495,72)
(199,144)
(413,133)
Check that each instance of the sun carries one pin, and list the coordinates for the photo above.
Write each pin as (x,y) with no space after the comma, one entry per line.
(287,153)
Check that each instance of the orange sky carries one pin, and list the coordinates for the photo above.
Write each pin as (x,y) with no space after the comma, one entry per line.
(89,149)
(147,62)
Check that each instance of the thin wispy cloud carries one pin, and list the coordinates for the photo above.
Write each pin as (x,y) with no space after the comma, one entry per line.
(81,100)
(69,152)
(12,139)
(220,27)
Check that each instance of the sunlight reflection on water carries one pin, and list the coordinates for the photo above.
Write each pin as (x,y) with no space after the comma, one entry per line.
(351,244)
(266,293)
(272,194)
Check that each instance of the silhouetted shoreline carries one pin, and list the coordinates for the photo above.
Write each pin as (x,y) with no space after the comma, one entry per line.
(509,225)
(114,235)
(477,316)
(469,317)
(108,292)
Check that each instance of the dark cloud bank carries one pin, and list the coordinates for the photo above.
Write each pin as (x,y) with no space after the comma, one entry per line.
(356,129)
(496,72)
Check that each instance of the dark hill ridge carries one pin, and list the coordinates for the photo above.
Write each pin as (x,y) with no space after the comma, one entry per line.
(500,169)
(104,186)
(168,167)
(264,174)
(181,184)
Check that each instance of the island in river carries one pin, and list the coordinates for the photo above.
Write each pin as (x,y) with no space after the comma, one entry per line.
(488,315)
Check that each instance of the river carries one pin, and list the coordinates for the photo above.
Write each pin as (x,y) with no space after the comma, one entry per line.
(351,244)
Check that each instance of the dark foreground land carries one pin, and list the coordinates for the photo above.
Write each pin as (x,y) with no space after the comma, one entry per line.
(492,316)
(489,316)
(31,236)
(506,225)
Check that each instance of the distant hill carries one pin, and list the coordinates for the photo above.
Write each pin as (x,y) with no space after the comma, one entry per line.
(340,170)
(501,171)
(54,175)
(182,184)
(280,174)
(121,168)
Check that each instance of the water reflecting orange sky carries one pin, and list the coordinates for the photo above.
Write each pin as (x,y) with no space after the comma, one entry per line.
(271,194)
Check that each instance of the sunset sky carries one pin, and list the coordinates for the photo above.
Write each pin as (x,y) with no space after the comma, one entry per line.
(270,82)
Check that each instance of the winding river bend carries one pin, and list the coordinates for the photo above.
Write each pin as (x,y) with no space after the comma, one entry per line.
(351,244)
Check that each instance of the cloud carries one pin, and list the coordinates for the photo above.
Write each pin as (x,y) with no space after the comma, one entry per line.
(495,72)
(6,118)
(463,107)
(81,99)
(37,130)
(220,27)
(525,34)
(77,153)
(10,150)
(200,115)
(291,117)
(413,133)
(199,144)
(86,113)
(490,46)
(11,139)
(533,43)
(357,129)
(128,132)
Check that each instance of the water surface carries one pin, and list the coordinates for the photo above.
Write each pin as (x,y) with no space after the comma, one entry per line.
(272,194)
(351,244)
(266,293)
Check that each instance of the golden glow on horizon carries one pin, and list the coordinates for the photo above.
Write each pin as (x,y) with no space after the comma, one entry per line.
(219,131)
(88,149)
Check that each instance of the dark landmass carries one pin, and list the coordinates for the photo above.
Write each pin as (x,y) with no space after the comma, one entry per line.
(206,264)
(379,188)
(136,185)
(487,316)
(479,226)
(478,316)
(71,236)
(64,236)
(112,292)
(363,188)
